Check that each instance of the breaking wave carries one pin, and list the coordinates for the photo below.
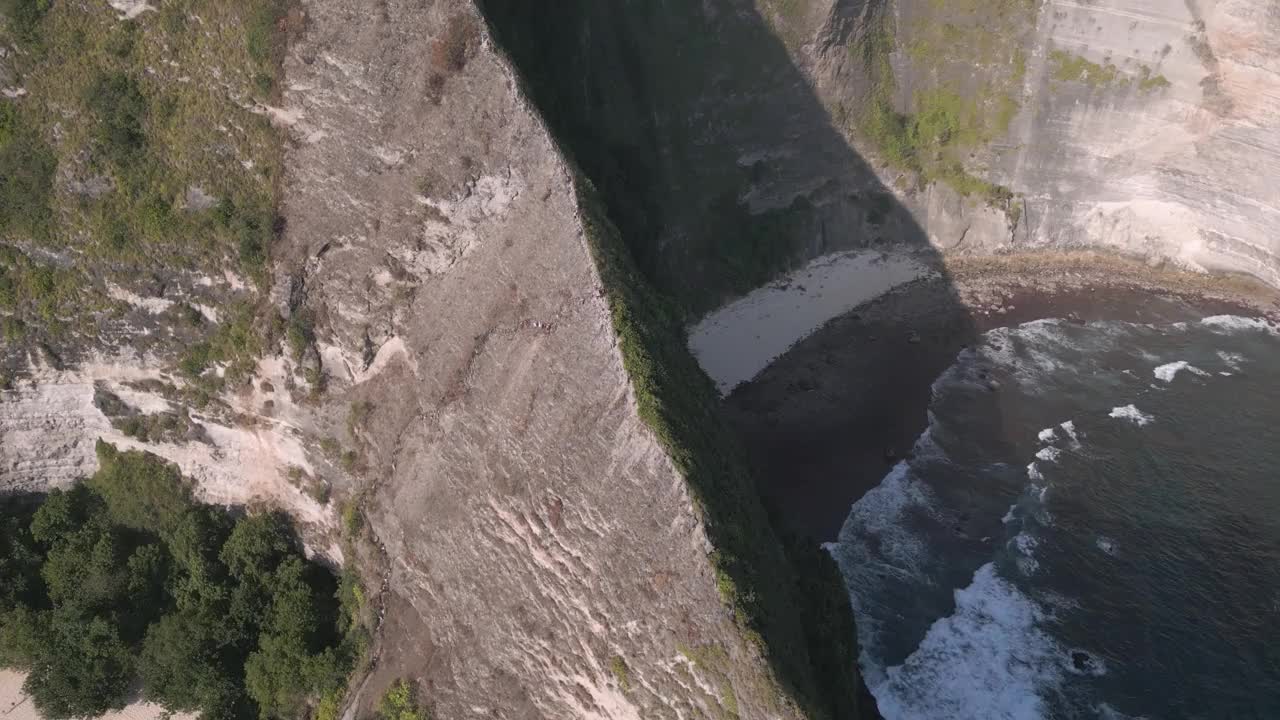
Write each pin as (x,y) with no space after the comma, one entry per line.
(1132,414)
(1168,371)
(987,661)
(958,563)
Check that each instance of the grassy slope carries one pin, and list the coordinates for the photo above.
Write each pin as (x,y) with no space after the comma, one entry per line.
(118,120)
(942,127)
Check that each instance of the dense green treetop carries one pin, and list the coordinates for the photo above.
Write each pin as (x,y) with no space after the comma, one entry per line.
(125,581)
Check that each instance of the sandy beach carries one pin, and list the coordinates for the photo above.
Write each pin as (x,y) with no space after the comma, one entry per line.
(827,419)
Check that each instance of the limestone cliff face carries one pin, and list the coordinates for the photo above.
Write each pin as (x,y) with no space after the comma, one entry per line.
(736,139)
(1189,170)
(545,557)
(463,377)
(448,363)
(1147,127)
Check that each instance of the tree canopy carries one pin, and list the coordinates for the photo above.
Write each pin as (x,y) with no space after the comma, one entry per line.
(125,580)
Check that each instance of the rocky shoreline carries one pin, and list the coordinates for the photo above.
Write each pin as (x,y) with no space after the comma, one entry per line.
(831,416)
(1047,282)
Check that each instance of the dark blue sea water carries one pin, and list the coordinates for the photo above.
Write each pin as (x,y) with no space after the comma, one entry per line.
(1090,528)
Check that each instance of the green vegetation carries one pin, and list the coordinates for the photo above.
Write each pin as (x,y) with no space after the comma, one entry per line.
(156,427)
(24,17)
(1067,67)
(126,580)
(315,488)
(236,342)
(352,518)
(119,122)
(299,335)
(678,403)
(621,673)
(358,417)
(27,165)
(1147,81)
(713,661)
(945,124)
(400,702)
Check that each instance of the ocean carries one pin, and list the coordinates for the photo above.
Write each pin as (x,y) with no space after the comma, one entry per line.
(1089,528)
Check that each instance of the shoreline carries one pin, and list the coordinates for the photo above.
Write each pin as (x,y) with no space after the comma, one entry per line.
(988,282)
(828,419)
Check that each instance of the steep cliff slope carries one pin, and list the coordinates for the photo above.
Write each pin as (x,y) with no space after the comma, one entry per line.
(494,219)
(1184,169)
(742,138)
(715,156)
(1147,128)
(569,531)
(450,344)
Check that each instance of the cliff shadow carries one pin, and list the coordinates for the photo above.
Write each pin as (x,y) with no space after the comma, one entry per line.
(723,170)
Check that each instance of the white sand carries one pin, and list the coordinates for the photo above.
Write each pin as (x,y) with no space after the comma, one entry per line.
(737,341)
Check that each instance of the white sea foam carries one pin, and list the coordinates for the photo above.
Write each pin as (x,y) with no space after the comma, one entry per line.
(1093,665)
(1106,712)
(1105,544)
(1233,360)
(1048,453)
(1132,414)
(1168,371)
(1236,323)
(1025,545)
(881,510)
(1033,472)
(1047,435)
(988,661)
(878,548)
(926,447)
(1030,351)
(1070,429)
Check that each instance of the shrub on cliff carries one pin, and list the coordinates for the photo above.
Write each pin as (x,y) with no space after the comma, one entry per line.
(400,702)
(125,579)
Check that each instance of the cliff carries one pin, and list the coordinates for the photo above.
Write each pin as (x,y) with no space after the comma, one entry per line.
(1145,128)
(453,350)
(488,224)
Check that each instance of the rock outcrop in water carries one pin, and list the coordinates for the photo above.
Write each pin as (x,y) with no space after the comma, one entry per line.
(497,218)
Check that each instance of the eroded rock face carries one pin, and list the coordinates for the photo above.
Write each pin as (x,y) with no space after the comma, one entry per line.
(546,559)
(1141,126)
(545,556)
(235,453)
(1186,171)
